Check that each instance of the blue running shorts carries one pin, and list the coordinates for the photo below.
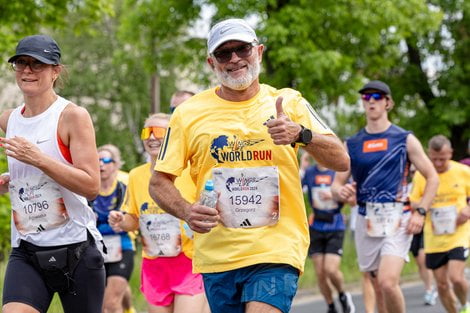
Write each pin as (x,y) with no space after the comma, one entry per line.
(274,284)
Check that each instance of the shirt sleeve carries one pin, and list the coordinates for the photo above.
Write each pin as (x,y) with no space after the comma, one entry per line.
(172,158)
(300,111)
(418,188)
(129,204)
(467,181)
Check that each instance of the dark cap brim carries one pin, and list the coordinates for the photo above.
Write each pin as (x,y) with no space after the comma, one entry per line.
(363,90)
(37,57)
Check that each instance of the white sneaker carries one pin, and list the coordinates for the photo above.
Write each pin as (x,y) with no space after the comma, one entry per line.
(347,304)
(430,297)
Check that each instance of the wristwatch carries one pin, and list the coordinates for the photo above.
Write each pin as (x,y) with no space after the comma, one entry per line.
(421,211)
(305,136)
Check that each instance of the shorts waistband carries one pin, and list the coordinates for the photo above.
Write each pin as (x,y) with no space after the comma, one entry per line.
(25,245)
(362,207)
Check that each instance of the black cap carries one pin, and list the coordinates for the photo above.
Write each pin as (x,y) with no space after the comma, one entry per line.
(41,47)
(376,85)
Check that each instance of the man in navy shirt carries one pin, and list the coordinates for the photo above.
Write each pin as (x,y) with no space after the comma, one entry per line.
(326,236)
(381,154)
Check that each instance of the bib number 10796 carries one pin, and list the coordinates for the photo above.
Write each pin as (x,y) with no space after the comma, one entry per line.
(36,207)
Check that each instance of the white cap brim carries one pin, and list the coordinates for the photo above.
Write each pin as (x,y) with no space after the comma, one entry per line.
(238,37)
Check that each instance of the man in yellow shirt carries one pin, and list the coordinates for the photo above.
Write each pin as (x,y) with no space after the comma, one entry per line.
(447,229)
(244,136)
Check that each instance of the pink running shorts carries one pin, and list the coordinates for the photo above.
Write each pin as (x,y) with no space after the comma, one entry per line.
(163,278)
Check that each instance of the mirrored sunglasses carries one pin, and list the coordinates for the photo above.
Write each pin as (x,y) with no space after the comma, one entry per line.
(35,65)
(106,160)
(225,55)
(375,95)
(158,132)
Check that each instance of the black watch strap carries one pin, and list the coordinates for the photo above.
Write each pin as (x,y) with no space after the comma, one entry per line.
(305,136)
(421,211)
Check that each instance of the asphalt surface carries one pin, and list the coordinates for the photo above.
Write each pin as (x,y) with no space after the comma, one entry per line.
(305,303)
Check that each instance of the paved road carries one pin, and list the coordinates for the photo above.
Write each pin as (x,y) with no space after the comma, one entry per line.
(413,294)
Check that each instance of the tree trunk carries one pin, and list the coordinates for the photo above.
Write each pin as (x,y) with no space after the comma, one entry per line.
(155,94)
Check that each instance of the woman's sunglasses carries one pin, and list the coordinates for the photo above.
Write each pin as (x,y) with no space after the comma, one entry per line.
(106,160)
(376,95)
(158,132)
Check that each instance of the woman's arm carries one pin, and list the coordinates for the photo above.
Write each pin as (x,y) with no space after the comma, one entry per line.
(76,131)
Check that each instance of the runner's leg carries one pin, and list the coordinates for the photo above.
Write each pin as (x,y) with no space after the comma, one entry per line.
(116,288)
(319,263)
(455,269)
(368,293)
(260,307)
(379,297)
(388,278)
(187,303)
(443,288)
(333,273)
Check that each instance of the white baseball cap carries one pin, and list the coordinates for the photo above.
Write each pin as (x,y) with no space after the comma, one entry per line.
(231,29)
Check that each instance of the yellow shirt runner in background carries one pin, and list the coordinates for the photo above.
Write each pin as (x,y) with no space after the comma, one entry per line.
(138,200)
(453,191)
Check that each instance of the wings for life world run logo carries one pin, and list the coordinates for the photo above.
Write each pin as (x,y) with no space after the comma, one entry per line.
(30,192)
(224,150)
(243,183)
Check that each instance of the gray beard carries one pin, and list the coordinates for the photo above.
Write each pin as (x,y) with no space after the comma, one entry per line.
(240,83)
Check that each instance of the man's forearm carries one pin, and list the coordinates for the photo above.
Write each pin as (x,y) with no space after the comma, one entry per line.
(164,193)
(329,152)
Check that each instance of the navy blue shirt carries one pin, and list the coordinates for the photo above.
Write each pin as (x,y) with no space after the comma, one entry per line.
(102,205)
(379,166)
(328,218)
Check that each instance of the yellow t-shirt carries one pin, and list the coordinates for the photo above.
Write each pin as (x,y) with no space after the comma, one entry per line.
(138,200)
(454,190)
(210,133)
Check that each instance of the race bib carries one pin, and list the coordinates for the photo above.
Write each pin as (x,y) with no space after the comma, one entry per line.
(383,219)
(161,234)
(319,201)
(444,220)
(113,248)
(37,204)
(249,197)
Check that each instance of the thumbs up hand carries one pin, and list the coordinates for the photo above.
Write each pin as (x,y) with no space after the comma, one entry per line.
(283,131)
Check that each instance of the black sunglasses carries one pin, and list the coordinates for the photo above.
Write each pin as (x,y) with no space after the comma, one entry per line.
(225,55)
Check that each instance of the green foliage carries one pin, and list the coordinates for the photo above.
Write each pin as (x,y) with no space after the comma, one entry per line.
(22,18)
(112,72)
(127,50)
(111,83)
(327,49)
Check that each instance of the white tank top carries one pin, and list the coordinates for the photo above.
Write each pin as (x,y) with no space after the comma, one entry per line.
(43,212)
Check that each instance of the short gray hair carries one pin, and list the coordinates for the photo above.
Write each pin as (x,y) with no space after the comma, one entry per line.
(437,142)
